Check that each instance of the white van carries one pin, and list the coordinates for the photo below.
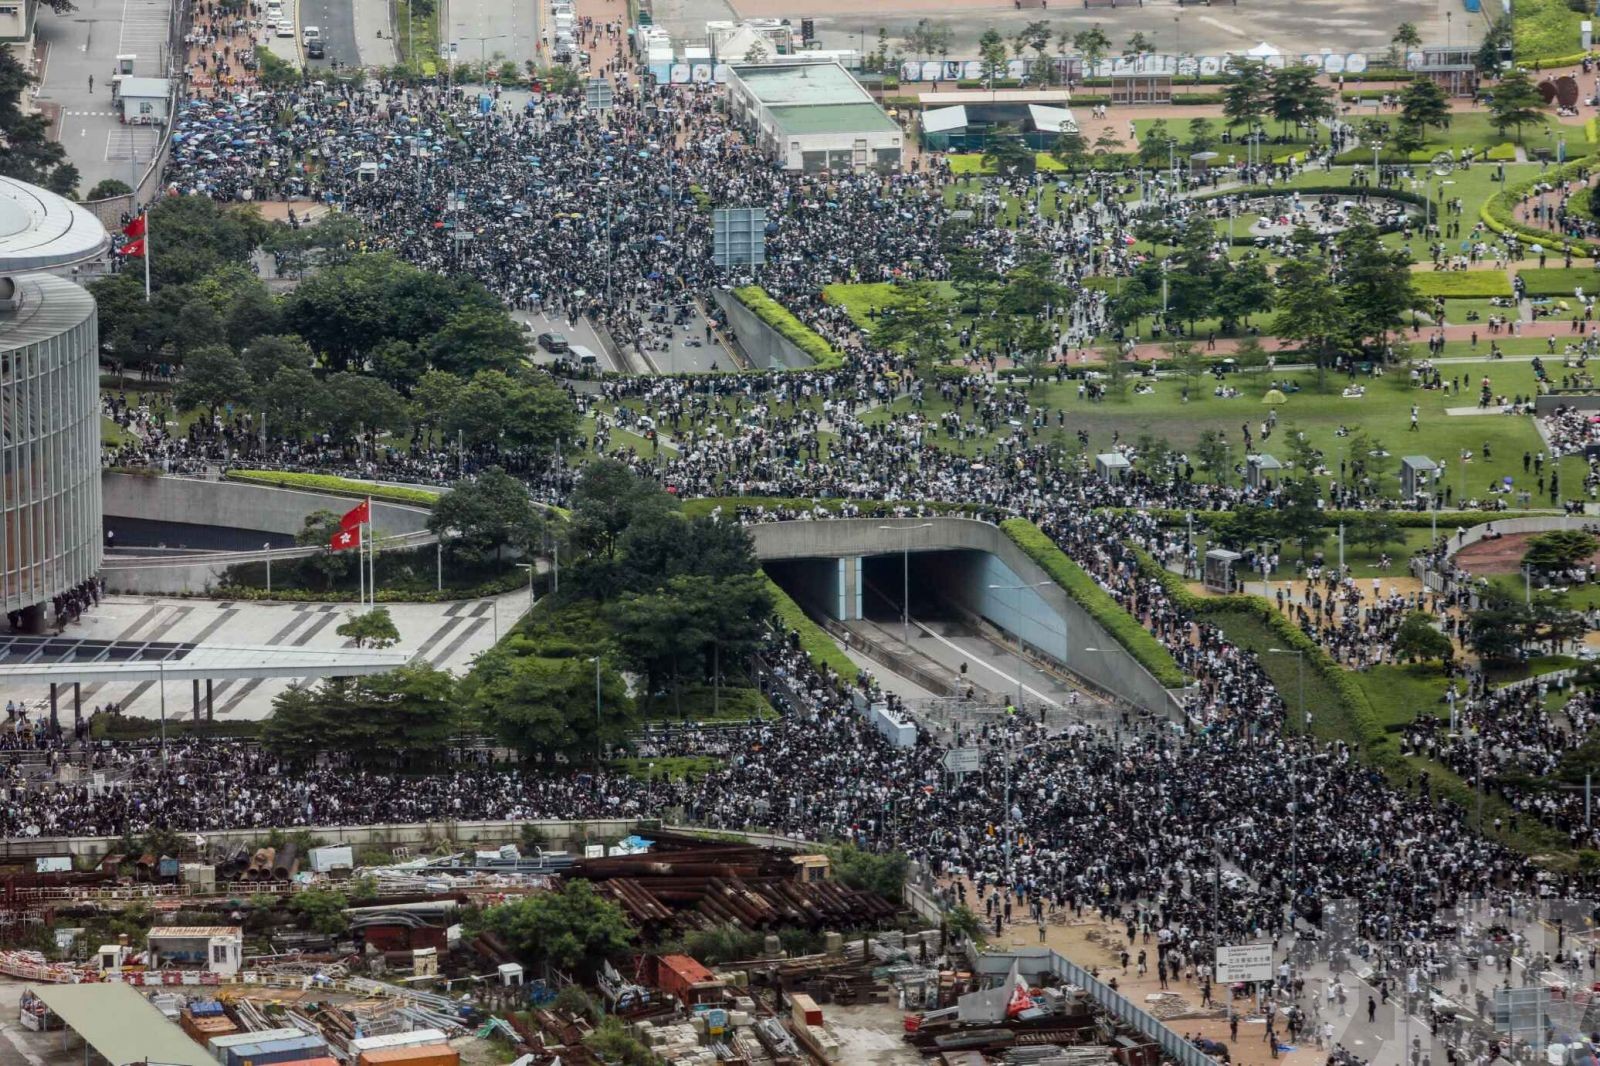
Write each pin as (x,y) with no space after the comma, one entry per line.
(582,356)
(310,33)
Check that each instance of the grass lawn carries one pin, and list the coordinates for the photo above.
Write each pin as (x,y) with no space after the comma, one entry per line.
(417,37)
(737,703)
(1362,560)
(972,163)
(1545,29)
(668,768)
(1383,412)
(1560,281)
(113,435)
(1401,694)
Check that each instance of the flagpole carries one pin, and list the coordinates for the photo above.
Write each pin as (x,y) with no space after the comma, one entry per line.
(361,570)
(145,236)
(372,559)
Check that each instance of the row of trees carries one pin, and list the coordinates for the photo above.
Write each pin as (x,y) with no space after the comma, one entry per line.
(365,344)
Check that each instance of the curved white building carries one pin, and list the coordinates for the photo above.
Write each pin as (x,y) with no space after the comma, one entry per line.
(50,520)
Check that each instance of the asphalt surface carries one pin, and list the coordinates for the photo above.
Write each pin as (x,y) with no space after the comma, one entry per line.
(335,21)
(580,333)
(85,44)
(490,29)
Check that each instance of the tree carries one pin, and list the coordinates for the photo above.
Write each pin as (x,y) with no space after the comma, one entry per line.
(1295,97)
(476,338)
(1376,286)
(484,517)
(1214,455)
(1308,305)
(212,376)
(1297,517)
(1561,549)
(573,928)
(434,399)
(1156,143)
(1107,143)
(883,874)
(1201,138)
(1373,530)
(265,356)
(1495,632)
(63,180)
(106,188)
(607,500)
(1516,103)
(321,910)
(1406,36)
(289,401)
(317,531)
(30,153)
(370,629)
(406,717)
(1071,150)
(992,56)
(549,709)
(916,320)
(1189,361)
(1245,288)
(1418,640)
(194,236)
(1423,104)
(1008,154)
(1408,137)
(350,403)
(1244,98)
(1092,44)
(1138,45)
(928,39)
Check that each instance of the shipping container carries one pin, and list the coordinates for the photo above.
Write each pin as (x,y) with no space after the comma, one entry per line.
(393,1040)
(804,1010)
(202,1030)
(271,1052)
(426,1055)
(220,1044)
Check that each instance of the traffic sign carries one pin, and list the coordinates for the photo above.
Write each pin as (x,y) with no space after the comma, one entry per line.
(1244,962)
(597,94)
(963,760)
(739,236)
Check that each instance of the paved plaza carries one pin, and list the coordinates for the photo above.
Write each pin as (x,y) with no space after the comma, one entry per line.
(447,635)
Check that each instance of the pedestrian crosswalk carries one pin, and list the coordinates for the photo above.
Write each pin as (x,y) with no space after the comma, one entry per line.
(89,114)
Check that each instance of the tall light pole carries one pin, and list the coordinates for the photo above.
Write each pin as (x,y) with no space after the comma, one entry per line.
(905,575)
(530,568)
(596,660)
(161,673)
(483,49)
(1294,810)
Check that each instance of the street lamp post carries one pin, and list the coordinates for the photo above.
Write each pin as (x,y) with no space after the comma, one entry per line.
(905,576)
(268,549)
(596,660)
(161,673)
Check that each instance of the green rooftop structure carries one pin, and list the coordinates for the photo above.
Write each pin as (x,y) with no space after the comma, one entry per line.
(813,116)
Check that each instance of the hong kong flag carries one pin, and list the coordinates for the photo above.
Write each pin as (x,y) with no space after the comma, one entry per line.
(134,249)
(345,538)
(134,228)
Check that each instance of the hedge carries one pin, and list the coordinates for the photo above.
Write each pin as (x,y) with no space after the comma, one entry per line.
(1289,636)
(1320,190)
(1560,281)
(814,641)
(336,486)
(1477,284)
(1496,210)
(823,355)
(704,505)
(1124,628)
(1407,519)
(1545,31)
(250,593)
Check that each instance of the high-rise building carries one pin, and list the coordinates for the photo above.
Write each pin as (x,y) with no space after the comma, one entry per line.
(50,517)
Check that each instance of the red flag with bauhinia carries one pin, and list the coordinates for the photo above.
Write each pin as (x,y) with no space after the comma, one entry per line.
(134,249)
(344,539)
(134,228)
(359,515)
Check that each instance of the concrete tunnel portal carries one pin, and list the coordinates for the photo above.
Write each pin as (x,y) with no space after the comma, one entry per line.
(972,593)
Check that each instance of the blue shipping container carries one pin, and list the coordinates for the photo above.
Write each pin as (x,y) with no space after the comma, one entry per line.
(1471,5)
(289,1049)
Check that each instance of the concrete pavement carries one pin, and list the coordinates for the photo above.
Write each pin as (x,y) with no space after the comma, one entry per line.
(85,44)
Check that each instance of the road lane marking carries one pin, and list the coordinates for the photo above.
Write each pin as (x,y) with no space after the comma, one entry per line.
(992,669)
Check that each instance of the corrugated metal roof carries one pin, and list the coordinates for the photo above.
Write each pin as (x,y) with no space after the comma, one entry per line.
(195,932)
(121,1024)
(42,231)
(49,307)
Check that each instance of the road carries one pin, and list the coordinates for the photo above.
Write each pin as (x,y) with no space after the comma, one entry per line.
(493,29)
(580,333)
(85,44)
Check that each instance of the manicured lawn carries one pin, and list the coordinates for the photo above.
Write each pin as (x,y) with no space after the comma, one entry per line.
(668,768)
(1401,694)
(1560,281)
(113,435)
(1362,560)
(702,704)
(972,163)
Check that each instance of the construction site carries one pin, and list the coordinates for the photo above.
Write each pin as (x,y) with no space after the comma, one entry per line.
(737,953)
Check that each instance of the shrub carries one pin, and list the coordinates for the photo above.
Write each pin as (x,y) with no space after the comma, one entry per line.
(337,486)
(1544,30)
(1124,628)
(1479,284)
(823,355)
(1496,211)
(818,646)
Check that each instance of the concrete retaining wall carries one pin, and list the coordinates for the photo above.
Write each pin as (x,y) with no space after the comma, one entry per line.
(563,835)
(758,342)
(1109,667)
(235,505)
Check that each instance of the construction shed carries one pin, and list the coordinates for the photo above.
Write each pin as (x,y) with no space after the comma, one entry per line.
(119,1025)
